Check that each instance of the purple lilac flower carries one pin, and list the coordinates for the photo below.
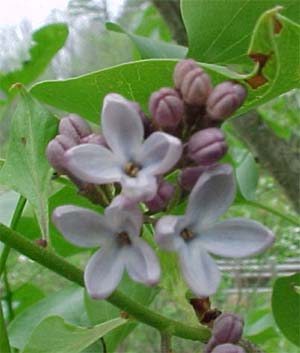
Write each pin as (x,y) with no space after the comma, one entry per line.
(129,161)
(118,234)
(196,234)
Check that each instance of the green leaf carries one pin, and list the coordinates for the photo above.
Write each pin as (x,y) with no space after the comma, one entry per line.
(260,326)
(66,196)
(285,306)
(54,335)
(25,296)
(220,32)
(47,42)
(277,70)
(8,202)
(100,311)
(247,177)
(151,48)
(26,169)
(67,303)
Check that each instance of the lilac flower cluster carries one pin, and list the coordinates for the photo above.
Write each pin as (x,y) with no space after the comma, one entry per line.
(134,155)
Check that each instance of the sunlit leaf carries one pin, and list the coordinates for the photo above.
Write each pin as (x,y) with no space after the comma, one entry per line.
(219,32)
(26,169)
(54,335)
(67,303)
(279,73)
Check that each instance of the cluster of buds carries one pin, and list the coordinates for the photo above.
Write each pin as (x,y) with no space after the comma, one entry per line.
(226,333)
(194,110)
(133,158)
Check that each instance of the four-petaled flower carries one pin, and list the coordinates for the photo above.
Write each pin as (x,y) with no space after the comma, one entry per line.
(129,161)
(196,234)
(118,234)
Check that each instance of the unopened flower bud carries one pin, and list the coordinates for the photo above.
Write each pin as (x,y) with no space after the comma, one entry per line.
(228,328)
(225,99)
(228,348)
(160,201)
(74,127)
(96,139)
(207,146)
(56,151)
(190,175)
(193,82)
(166,107)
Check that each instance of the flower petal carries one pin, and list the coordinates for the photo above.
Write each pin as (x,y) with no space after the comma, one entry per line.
(211,196)
(236,237)
(199,269)
(82,226)
(93,163)
(124,220)
(122,126)
(160,153)
(142,264)
(143,187)
(104,272)
(166,234)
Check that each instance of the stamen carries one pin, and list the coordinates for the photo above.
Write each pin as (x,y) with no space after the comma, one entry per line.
(131,169)
(123,238)
(186,234)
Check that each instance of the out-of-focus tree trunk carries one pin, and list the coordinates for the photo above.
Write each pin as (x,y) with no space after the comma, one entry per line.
(280,158)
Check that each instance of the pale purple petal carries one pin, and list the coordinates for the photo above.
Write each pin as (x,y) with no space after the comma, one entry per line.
(160,153)
(81,226)
(143,187)
(123,203)
(123,220)
(199,269)
(236,237)
(122,126)
(211,196)
(167,233)
(94,164)
(141,263)
(104,272)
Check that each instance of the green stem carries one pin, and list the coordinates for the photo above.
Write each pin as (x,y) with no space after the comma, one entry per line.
(133,308)
(288,218)
(8,293)
(165,342)
(4,342)
(13,225)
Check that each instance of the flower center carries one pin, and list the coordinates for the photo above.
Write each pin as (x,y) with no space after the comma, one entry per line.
(186,234)
(131,169)
(123,238)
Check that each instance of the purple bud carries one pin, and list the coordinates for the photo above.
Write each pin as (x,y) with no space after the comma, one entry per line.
(181,69)
(193,82)
(74,127)
(225,99)
(166,107)
(190,175)
(228,348)
(228,328)
(56,151)
(207,146)
(162,198)
(96,139)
